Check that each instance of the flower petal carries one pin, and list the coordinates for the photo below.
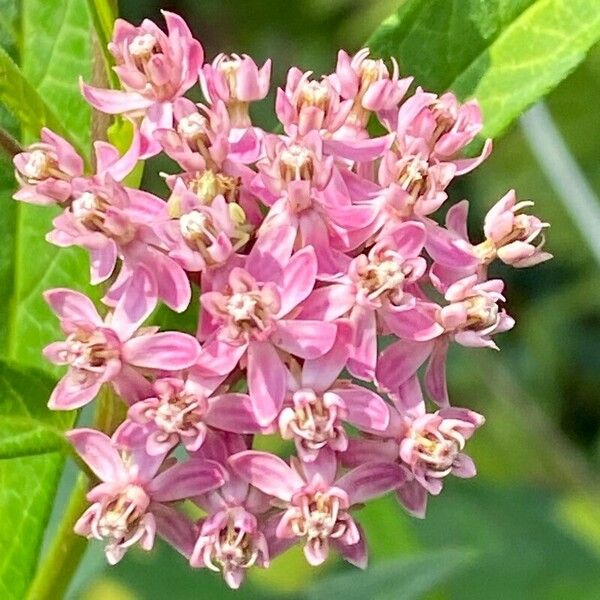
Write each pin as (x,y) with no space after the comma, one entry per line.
(99,453)
(267,472)
(72,306)
(267,381)
(169,350)
(306,339)
(185,480)
(371,480)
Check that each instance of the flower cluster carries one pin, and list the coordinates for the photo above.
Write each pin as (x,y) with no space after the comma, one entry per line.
(307,247)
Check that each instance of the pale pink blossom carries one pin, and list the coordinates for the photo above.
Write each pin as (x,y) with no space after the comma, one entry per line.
(182,411)
(307,104)
(230,538)
(155,69)
(371,87)
(429,445)
(112,349)
(471,318)
(200,236)
(316,503)
(131,502)
(252,320)
(302,187)
(376,295)
(318,403)
(236,81)
(111,222)
(46,169)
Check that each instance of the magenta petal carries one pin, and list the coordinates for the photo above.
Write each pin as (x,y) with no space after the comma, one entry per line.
(398,362)
(363,359)
(267,472)
(413,496)
(72,306)
(318,374)
(464,467)
(298,279)
(185,480)
(232,412)
(169,350)
(267,381)
(435,376)
(366,409)
(99,453)
(174,527)
(70,394)
(371,480)
(114,102)
(306,339)
(329,303)
(270,255)
(136,304)
(355,554)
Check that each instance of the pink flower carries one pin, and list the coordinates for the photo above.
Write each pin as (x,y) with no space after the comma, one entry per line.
(316,506)
(516,239)
(112,221)
(230,538)
(181,411)
(369,84)
(46,169)
(112,350)
(443,124)
(413,182)
(511,234)
(253,319)
(200,236)
(154,68)
(236,81)
(304,191)
(131,502)
(318,403)
(307,104)
(471,318)
(374,290)
(429,445)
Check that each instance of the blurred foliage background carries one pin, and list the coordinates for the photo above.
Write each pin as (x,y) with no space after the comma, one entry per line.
(529,525)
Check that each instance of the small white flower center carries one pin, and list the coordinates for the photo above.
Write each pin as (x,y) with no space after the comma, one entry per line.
(85,205)
(142,45)
(242,307)
(193,224)
(192,126)
(37,166)
(296,163)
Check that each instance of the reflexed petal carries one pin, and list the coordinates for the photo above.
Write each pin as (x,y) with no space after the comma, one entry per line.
(169,350)
(267,472)
(371,480)
(99,453)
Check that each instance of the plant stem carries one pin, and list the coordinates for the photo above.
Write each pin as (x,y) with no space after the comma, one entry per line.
(58,567)
(60,563)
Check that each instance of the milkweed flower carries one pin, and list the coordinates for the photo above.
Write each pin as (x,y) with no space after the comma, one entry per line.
(131,502)
(112,349)
(330,293)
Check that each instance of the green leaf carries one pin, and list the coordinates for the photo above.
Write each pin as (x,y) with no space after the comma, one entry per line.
(27,437)
(506,54)
(22,99)
(29,433)
(407,577)
(56,51)
(103,14)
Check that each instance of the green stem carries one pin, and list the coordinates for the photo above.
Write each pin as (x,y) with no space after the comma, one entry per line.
(53,577)
(60,563)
